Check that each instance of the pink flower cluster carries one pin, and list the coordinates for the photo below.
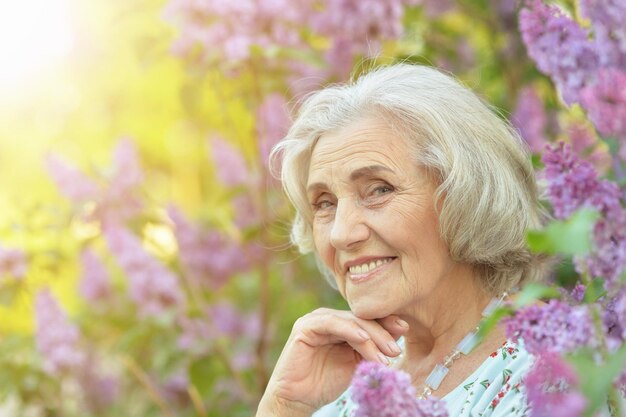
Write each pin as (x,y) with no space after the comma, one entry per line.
(222,319)
(115,196)
(153,287)
(587,70)
(552,327)
(380,391)
(530,118)
(94,285)
(57,338)
(209,258)
(228,32)
(12,263)
(58,342)
(574,183)
(551,388)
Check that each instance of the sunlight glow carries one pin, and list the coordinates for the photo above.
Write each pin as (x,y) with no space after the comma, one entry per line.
(34,36)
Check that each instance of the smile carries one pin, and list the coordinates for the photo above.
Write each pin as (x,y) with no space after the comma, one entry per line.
(365,269)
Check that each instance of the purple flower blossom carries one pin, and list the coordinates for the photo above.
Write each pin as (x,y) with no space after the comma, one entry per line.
(100,390)
(614,320)
(552,327)
(608,19)
(94,284)
(551,389)
(578,292)
(12,263)
(71,181)
(153,287)
(559,46)
(116,198)
(530,118)
(380,391)
(273,121)
(209,257)
(225,32)
(57,339)
(230,164)
(571,181)
(383,392)
(584,144)
(605,102)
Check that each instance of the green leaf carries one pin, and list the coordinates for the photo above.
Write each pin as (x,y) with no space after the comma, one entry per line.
(204,372)
(490,322)
(569,237)
(533,292)
(596,379)
(594,291)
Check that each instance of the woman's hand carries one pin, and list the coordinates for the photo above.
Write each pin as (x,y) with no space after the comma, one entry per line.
(320,356)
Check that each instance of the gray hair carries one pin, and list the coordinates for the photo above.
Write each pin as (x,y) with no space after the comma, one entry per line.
(487,196)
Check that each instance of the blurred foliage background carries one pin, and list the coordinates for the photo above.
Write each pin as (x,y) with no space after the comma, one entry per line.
(145,264)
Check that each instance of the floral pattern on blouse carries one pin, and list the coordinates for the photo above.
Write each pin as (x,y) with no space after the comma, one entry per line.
(495,389)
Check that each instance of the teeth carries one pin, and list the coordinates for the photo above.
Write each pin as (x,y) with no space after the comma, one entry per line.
(365,268)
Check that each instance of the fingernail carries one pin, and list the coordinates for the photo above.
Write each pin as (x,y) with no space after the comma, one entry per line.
(393,346)
(382,358)
(363,335)
(402,323)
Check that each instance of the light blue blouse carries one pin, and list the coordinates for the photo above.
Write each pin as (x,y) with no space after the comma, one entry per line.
(493,390)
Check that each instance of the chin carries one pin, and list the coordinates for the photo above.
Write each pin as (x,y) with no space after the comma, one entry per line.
(367,312)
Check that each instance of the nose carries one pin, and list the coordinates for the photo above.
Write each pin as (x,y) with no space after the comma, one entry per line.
(349,228)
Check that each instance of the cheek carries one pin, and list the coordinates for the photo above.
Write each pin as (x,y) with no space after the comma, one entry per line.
(321,240)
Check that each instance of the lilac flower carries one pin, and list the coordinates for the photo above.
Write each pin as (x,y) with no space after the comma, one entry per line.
(614,320)
(551,389)
(273,121)
(153,287)
(207,256)
(584,144)
(12,262)
(530,118)
(357,27)
(116,198)
(431,407)
(126,170)
(72,182)
(578,292)
(608,258)
(559,46)
(57,339)
(231,167)
(605,102)
(246,214)
(571,181)
(94,284)
(226,32)
(383,392)
(100,390)
(552,327)
(608,19)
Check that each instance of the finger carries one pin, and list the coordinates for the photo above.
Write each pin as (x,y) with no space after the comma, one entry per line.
(381,337)
(317,330)
(394,325)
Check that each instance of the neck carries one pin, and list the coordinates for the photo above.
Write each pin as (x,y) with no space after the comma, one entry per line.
(440,322)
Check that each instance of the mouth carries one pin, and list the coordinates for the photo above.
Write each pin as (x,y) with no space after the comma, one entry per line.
(363,269)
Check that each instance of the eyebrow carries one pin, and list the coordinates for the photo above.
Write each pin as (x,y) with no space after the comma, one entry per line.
(355,175)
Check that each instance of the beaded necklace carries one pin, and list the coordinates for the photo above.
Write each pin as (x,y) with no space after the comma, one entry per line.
(464,347)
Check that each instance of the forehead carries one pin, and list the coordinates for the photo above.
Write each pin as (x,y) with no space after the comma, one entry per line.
(366,142)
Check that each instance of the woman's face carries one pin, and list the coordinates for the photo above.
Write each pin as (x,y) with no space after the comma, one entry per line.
(374,223)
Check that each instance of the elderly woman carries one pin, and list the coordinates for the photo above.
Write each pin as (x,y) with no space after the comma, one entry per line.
(415,197)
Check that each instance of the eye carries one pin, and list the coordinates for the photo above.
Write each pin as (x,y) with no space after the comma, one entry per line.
(323,205)
(383,189)
(323,202)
